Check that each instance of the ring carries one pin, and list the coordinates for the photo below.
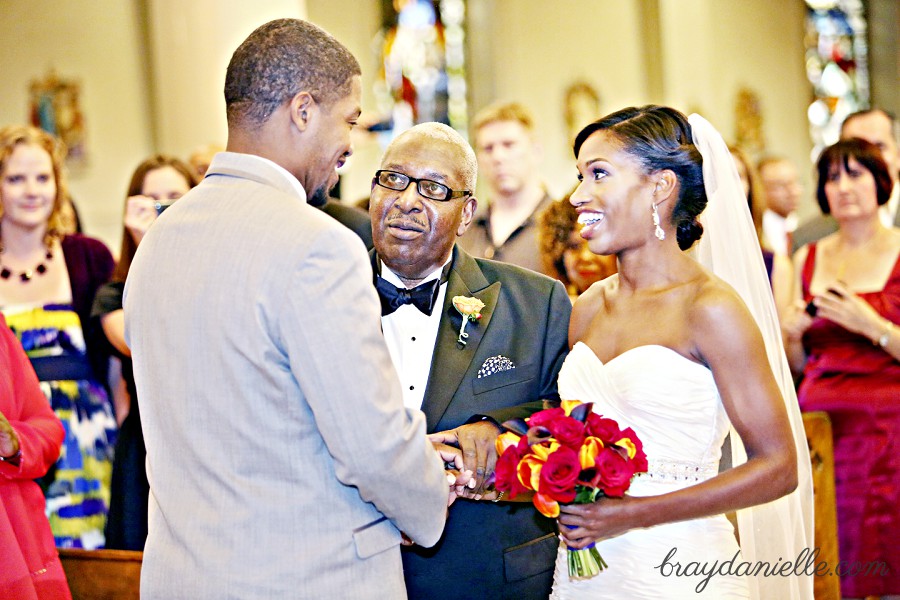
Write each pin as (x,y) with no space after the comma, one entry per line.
(499,496)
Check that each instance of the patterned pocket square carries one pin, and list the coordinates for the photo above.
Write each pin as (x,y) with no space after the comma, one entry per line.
(495,364)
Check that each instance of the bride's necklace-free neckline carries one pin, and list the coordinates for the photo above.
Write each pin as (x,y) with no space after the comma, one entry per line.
(28,274)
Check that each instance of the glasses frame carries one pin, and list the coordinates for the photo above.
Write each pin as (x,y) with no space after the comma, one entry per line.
(451,193)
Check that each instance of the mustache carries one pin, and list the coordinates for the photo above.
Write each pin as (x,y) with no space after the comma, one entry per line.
(407,219)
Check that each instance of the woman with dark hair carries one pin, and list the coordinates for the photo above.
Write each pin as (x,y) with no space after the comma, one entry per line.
(156,183)
(48,280)
(670,349)
(844,339)
(565,254)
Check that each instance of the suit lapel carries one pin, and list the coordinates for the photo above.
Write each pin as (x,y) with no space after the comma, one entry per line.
(450,362)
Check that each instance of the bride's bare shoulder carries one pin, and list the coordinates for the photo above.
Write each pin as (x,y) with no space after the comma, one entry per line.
(717,308)
(587,306)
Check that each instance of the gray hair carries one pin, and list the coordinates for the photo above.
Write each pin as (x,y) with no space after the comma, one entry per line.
(440,132)
(279,60)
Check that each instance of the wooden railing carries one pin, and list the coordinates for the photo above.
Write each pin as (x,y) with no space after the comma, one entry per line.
(821,453)
(102,574)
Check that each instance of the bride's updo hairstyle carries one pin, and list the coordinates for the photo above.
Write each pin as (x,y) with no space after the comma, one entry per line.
(659,137)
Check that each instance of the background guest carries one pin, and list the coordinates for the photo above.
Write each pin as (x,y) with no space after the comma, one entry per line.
(878,127)
(509,157)
(157,182)
(778,266)
(47,285)
(565,254)
(200,158)
(783,191)
(30,439)
(851,349)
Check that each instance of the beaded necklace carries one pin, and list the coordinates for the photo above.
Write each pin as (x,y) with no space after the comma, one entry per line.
(28,274)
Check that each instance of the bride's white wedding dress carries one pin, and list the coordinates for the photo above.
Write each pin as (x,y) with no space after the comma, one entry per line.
(673,405)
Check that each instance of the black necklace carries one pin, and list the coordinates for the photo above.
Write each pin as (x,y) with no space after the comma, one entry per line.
(28,274)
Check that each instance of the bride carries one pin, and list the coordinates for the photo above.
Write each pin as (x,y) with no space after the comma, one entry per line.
(680,353)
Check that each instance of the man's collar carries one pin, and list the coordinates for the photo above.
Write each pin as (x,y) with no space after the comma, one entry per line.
(249,165)
(385,272)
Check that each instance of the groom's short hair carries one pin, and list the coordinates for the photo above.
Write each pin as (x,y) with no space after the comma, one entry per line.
(279,60)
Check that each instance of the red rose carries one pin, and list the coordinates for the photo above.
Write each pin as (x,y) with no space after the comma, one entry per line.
(605,429)
(640,457)
(559,474)
(506,472)
(568,432)
(544,418)
(614,472)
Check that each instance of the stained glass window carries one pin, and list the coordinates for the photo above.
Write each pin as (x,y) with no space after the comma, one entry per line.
(422,76)
(836,65)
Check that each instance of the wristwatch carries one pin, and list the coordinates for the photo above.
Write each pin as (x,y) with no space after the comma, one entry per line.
(885,337)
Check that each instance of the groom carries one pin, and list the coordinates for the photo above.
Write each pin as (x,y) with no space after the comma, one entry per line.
(281,461)
(421,203)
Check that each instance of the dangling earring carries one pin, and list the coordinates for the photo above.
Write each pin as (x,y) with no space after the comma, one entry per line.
(658,231)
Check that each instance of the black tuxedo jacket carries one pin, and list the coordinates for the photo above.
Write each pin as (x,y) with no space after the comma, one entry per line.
(492,550)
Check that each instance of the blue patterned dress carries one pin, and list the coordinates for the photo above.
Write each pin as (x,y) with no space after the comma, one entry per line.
(77,486)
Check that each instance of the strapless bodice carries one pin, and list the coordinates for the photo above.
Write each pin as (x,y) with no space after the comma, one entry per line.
(671,402)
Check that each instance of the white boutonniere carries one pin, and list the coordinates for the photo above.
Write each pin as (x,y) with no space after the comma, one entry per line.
(470,309)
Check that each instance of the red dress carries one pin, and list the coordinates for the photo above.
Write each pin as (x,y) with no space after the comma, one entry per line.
(858,385)
(29,564)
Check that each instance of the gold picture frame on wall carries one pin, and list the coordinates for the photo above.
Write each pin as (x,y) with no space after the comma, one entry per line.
(580,107)
(55,107)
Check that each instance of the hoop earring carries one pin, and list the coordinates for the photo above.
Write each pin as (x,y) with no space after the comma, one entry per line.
(658,231)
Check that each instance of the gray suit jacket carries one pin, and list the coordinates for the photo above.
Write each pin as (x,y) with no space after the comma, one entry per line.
(281,461)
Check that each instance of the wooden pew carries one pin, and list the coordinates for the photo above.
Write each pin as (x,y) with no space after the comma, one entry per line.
(102,574)
(821,453)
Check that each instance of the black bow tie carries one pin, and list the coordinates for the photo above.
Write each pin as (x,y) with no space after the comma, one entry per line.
(422,296)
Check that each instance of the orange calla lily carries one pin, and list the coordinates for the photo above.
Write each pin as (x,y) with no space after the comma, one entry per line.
(546,505)
(542,451)
(506,440)
(568,405)
(628,445)
(530,471)
(587,455)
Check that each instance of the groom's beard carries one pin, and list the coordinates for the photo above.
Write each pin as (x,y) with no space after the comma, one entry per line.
(318,198)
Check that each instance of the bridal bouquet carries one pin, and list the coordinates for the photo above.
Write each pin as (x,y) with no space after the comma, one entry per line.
(568,455)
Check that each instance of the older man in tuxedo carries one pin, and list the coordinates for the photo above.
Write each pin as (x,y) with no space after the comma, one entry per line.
(281,461)
(421,203)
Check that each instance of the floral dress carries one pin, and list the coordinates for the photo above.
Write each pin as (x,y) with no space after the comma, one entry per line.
(77,486)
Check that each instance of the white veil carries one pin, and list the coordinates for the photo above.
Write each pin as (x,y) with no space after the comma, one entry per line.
(781,529)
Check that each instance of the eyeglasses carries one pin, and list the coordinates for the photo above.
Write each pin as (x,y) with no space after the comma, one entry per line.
(432,190)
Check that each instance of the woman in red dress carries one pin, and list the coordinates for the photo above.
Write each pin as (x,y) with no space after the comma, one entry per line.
(30,439)
(844,339)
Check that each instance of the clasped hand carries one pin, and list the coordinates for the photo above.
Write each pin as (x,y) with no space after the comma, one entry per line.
(458,477)
(839,305)
(476,443)
(9,441)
